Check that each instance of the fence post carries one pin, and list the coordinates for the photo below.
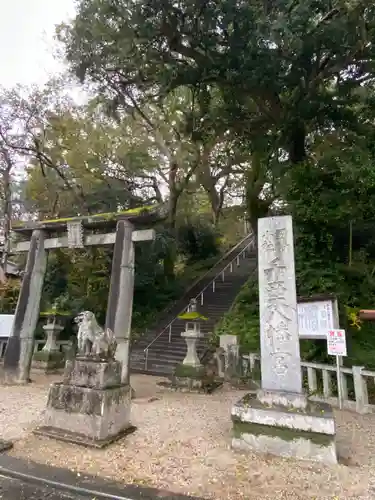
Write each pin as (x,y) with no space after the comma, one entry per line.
(344,387)
(252,360)
(360,389)
(327,388)
(311,378)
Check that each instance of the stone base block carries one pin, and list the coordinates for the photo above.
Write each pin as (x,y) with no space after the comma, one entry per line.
(281,398)
(80,439)
(305,434)
(85,415)
(188,378)
(86,372)
(190,371)
(48,361)
(187,384)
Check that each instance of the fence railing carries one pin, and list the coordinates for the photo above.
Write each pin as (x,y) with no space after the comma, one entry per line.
(220,276)
(322,381)
(64,346)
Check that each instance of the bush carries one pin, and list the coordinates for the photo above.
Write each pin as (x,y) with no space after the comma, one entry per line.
(243,319)
(9,296)
(354,288)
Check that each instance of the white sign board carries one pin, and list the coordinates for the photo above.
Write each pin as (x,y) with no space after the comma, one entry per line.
(315,318)
(6,324)
(336,343)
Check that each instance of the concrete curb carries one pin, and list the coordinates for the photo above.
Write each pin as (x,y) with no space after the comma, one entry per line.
(84,485)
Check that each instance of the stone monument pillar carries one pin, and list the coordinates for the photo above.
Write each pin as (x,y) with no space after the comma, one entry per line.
(279,340)
(120,300)
(19,351)
(279,419)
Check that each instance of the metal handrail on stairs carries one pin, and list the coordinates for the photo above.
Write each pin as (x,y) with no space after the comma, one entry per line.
(212,283)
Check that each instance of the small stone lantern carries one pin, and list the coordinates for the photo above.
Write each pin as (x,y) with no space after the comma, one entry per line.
(192,333)
(50,358)
(191,372)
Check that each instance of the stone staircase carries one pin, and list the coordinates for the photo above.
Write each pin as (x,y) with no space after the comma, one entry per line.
(162,348)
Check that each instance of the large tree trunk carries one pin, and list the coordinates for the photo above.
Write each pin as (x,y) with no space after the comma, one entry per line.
(172,208)
(254,183)
(208,183)
(174,194)
(297,143)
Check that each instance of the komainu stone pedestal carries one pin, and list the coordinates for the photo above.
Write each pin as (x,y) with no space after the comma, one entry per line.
(90,407)
(287,427)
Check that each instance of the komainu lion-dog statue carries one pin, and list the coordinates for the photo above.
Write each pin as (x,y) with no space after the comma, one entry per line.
(93,340)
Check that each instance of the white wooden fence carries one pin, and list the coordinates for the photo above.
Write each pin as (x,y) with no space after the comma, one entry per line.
(321,379)
(322,383)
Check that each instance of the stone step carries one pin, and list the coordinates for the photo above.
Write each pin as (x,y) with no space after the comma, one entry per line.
(157,371)
(169,359)
(174,347)
(172,355)
(163,356)
(211,299)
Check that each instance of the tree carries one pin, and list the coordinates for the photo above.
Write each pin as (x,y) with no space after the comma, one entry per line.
(7,164)
(9,161)
(28,113)
(285,66)
(101,161)
(272,75)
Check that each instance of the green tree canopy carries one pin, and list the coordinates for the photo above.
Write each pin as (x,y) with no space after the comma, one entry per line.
(290,67)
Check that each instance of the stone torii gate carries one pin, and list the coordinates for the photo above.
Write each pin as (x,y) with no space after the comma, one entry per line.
(40,237)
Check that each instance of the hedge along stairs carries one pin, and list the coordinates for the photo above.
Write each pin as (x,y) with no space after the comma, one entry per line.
(162,349)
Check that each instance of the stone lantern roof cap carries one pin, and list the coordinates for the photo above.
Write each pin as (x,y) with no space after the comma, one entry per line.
(192,316)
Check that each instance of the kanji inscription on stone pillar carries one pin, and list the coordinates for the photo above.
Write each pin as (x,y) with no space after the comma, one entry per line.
(280,354)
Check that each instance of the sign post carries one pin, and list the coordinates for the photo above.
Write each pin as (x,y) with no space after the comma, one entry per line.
(336,345)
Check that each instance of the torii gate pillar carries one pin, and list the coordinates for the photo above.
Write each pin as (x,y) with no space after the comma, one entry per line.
(120,298)
(19,351)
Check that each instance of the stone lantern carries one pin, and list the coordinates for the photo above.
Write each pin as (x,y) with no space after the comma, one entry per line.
(190,374)
(50,358)
(192,333)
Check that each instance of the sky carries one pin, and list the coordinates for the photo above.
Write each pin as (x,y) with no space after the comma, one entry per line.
(26,39)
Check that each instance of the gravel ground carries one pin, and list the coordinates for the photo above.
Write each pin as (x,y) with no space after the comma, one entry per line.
(183,444)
